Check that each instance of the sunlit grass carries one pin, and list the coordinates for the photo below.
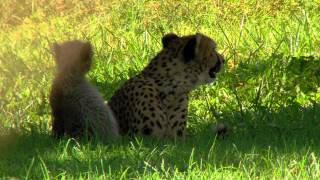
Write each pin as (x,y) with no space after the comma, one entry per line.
(268,93)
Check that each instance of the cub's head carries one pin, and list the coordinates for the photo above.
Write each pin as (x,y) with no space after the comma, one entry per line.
(186,61)
(73,56)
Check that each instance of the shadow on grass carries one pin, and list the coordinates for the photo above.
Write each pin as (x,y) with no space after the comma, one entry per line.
(18,150)
(291,131)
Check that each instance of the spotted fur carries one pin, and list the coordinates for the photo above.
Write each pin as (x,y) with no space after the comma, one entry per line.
(155,102)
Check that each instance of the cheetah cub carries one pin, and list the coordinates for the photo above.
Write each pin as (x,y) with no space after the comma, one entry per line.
(78,109)
(155,102)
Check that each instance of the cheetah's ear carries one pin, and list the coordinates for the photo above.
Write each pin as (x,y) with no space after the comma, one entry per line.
(86,52)
(167,39)
(191,48)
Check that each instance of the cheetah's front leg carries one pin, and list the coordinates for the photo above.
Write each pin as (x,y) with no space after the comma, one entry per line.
(150,118)
(177,112)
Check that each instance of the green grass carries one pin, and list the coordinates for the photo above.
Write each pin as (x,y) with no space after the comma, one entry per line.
(268,94)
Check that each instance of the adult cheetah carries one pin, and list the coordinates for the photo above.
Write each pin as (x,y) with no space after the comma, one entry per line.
(155,102)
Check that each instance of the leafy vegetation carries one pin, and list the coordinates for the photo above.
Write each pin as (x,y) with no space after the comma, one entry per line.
(268,94)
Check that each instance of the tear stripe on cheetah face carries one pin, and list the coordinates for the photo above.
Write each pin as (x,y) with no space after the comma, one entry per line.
(155,102)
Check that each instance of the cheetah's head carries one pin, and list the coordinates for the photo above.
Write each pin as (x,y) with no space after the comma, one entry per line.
(193,59)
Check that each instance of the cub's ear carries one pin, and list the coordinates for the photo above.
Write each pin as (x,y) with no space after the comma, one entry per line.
(55,49)
(191,48)
(167,39)
(86,52)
